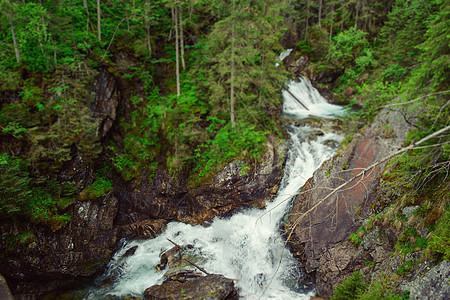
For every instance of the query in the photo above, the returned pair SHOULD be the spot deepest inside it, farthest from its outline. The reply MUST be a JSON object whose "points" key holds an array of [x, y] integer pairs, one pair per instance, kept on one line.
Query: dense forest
{"points": [[199, 87]]}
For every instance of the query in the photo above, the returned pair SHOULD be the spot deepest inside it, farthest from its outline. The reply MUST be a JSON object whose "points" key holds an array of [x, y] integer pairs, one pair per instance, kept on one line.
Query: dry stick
{"points": [[198, 267], [291, 231], [178, 246], [290, 93], [412, 101]]}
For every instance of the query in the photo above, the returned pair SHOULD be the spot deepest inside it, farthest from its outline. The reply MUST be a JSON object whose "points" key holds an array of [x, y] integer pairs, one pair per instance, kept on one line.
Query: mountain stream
{"points": [[247, 246]]}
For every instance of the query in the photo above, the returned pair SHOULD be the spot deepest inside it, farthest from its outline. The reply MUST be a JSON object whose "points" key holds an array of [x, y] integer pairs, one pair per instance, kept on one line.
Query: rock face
{"points": [[5, 293], [433, 285], [239, 184], [333, 202], [212, 286], [74, 251]]}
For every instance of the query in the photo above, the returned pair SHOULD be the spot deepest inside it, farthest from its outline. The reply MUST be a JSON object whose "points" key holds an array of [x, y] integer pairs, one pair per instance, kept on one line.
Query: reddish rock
{"points": [[330, 200]]}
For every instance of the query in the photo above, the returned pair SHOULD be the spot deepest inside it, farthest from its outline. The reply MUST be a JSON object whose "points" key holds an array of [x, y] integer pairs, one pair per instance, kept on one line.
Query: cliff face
{"points": [[338, 198]]}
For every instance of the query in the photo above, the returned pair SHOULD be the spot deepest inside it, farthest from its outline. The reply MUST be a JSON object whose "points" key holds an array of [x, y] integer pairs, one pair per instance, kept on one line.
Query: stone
{"points": [[433, 285], [238, 184], [321, 234], [5, 293], [212, 286], [409, 210]]}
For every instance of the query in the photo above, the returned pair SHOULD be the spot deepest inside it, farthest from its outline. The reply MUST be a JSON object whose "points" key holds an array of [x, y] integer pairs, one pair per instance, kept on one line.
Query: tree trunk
{"points": [[177, 47], [320, 13], [16, 45], [232, 100], [147, 25], [87, 17], [127, 15], [183, 63], [307, 20], [99, 29]]}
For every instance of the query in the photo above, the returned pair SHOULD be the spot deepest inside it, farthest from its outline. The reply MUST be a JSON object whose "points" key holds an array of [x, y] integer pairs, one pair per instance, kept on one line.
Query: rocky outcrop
{"points": [[42, 260], [239, 184], [5, 293], [106, 102], [432, 285], [333, 203], [211, 286]]}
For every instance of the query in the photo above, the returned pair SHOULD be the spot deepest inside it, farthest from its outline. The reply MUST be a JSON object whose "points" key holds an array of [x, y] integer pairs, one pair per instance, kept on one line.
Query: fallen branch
{"points": [[412, 101], [198, 267], [178, 246], [290, 93]]}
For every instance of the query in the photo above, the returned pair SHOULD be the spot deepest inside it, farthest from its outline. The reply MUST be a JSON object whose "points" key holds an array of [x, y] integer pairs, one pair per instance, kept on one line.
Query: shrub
{"points": [[351, 288]]}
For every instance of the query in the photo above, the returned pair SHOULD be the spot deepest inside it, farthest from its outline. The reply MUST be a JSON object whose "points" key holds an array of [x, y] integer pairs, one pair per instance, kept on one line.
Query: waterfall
{"points": [[248, 246], [300, 94]]}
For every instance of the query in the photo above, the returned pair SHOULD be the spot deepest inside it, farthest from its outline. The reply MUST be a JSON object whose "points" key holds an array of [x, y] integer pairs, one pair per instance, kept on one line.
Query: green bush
{"points": [[351, 288], [439, 242], [15, 195]]}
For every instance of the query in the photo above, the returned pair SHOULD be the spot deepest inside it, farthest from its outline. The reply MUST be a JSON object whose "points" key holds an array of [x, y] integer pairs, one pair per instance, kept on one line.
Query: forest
{"points": [[199, 85]]}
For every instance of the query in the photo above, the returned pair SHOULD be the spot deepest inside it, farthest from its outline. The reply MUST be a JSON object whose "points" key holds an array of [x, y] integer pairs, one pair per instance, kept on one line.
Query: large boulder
{"points": [[432, 285], [212, 286], [333, 203]]}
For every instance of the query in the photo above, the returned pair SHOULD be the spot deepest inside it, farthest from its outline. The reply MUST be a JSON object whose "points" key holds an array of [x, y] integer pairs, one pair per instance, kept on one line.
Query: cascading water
{"points": [[247, 246]]}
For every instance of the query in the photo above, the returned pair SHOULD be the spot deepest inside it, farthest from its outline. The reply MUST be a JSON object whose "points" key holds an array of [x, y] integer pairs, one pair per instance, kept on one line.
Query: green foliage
{"points": [[346, 46], [98, 188], [439, 242], [228, 145], [14, 187], [351, 288], [18, 199], [405, 268]]}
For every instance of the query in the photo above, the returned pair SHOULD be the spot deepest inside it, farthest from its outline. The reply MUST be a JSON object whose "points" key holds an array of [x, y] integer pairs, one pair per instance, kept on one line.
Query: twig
{"points": [[198, 267], [412, 101], [178, 246]]}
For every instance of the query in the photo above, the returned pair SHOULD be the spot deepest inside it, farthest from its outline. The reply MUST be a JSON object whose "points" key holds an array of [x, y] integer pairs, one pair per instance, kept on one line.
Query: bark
{"points": [[177, 47], [147, 26], [99, 29], [87, 17], [183, 63], [320, 13], [16, 44], [232, 99]]}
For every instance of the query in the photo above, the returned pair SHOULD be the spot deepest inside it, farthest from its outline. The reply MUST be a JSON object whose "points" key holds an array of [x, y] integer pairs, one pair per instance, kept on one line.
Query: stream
{"points": [[247, 246]]}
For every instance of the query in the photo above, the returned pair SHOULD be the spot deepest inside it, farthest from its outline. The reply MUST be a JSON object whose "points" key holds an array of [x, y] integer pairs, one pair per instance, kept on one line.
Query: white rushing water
{"points": [[247, 246], [302, 91]]}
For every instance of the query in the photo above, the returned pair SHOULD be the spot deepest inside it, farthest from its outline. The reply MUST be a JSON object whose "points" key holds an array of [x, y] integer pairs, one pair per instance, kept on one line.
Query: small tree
{"points": [[14, 190]]}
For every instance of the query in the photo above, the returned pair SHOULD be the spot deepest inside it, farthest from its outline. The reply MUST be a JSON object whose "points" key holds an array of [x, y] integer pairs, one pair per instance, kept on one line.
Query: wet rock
{"points": [[327, 76], [212, 286], [239, 184], [106, 101], [433, 285], [52, 259], [130, 251], [5, 293], [144, 229], [319, 237], [297, 66]]}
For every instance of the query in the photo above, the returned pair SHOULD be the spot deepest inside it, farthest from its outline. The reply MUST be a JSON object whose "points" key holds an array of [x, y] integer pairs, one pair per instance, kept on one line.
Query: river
{"points": [[247, 246]]}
